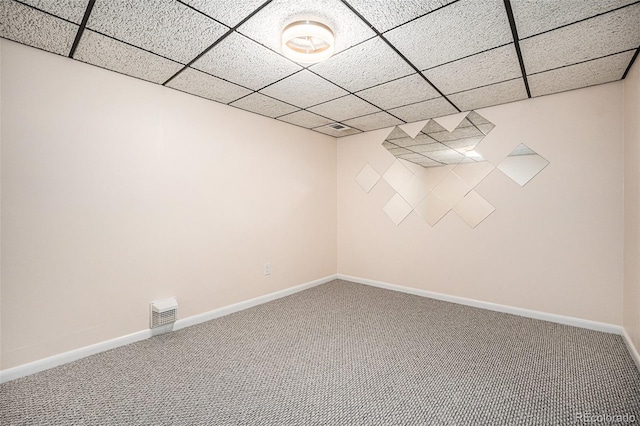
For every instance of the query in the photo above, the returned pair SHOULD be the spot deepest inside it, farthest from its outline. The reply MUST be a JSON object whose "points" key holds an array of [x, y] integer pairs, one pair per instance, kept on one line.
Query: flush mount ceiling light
{"points": [[307, 42]]}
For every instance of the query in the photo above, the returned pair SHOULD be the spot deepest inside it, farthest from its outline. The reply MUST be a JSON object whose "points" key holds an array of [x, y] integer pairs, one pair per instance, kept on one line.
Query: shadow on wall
{"points": [[437, 168]]}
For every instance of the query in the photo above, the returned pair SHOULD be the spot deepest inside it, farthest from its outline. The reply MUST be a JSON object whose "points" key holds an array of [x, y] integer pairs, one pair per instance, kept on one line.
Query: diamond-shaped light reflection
{"points": [[522, 164]]}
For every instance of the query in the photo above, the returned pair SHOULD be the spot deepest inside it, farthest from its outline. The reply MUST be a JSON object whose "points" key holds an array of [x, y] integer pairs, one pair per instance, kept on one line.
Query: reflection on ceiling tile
{"points": [[589, 73], [29, 26], [473, 209], [375, 121], [397, 209], [403, 91], [71, 10], [536, 16], [108, 53], [344, 108], [264, 105], [432, 209], [367, 178], [453, 32], [423, 110], [241, 61], [365, 65], [336, 133], [165, 27], [201, 84], [229, 12], [305, 119], [384, 15], [267, 25], [486, 68], [609, 33], [304, 89], [522, 164], [500, 93]]}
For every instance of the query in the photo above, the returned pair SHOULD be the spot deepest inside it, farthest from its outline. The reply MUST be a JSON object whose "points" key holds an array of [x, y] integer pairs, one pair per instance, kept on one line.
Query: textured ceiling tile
{"points": [[267, 25], [375, 121], [201, 84], [486, 68], [458, 30], [406, 90], [34, 28], [304, 89], [229, 12], [536, 16], [590, 39], [598, 71], [246, 63], [366, 65], [336, 133], [344, 108], [71, 10], [305, 119], [165, 27], [263, 105], [388, 14], [108, 53], [500, 93], [423, 110]]}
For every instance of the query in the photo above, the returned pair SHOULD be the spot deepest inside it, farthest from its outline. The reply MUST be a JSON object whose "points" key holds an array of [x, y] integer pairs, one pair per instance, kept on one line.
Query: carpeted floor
{"points": [[343, 354]]}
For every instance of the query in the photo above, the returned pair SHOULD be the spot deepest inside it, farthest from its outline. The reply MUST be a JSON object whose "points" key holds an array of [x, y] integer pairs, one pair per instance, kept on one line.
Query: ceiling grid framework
{"points": [[396, 61]]}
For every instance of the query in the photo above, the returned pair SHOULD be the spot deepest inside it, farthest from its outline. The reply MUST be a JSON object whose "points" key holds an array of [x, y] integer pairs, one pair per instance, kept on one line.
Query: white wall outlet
{"points": [[267, 269]]}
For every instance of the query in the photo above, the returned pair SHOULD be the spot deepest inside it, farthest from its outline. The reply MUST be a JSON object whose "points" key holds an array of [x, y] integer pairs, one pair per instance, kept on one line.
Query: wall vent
{"points": [[338, 126], [163, 312]]}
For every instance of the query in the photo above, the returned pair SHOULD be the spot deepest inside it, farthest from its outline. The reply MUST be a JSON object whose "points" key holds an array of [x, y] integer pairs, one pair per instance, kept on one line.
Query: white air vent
{"points": [[163, 312], [338, 126]]}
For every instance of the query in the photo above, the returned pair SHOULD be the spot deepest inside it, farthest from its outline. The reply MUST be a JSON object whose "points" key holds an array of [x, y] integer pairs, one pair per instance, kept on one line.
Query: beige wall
{"points": [[555, 245], [632, 204], [116, 192]]}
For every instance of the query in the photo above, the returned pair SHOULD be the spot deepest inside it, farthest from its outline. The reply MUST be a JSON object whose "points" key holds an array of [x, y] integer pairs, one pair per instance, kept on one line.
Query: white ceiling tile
{"points": [[336, 133], [397, 175], [229, 12], [485, 68], [405, 90], [365, 65], [453, 32], [600, 36], [344, 108], [165, 27], [375, 121], [387, 14], [451, 122], [305, 119], [71, 10], [108, 53], [424, 110], [536, 16], [367, 178], [244, 62], [589, 73], [412, 129], [473, 209], [267, 25], [432, 208], [201, 84], [500, 93], [304, 89], [34, 28], [397, 209], [264, 105]]}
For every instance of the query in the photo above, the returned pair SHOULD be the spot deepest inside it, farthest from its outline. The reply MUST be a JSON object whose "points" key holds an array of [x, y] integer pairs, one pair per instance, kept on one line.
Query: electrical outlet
{"points": [[267, 269]]}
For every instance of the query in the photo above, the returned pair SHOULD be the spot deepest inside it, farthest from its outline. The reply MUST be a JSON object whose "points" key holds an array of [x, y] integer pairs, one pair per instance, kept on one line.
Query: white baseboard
{"points": [[560, 319], [632, 348], [76, 354]]}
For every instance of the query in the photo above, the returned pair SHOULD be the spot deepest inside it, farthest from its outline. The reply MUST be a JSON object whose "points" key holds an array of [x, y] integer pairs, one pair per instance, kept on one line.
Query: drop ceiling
{"points": [[396, 61]]}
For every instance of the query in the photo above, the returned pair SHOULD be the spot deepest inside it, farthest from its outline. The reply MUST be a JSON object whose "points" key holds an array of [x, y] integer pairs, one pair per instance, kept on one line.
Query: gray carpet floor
{"points": [[343, 354]]}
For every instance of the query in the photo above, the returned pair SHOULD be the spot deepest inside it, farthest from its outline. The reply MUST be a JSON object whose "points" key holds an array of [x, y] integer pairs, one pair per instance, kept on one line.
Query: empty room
{"points": [[319, 212]]}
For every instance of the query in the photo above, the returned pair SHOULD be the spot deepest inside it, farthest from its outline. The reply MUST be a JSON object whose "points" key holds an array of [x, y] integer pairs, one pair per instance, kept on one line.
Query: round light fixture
{"points": [[307, 42]]}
